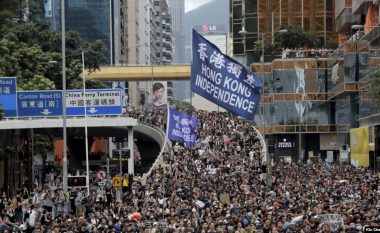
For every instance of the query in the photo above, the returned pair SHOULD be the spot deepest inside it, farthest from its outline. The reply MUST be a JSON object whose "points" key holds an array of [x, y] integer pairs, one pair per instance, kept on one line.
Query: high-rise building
{"points": [[93, 20], [161, 36], [317, 100], [90, 18], [161, 44], [253, 19], [178, 23], [133, 32], [181, 89]]}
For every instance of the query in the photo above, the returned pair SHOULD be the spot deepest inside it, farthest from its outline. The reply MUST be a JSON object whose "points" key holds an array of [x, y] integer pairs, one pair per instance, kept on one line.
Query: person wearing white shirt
{"points": [[33, 216]]}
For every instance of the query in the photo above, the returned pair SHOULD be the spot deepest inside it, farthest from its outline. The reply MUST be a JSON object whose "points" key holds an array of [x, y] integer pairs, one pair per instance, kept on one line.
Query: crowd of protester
{"points": [[306, 53], [217, 185]]}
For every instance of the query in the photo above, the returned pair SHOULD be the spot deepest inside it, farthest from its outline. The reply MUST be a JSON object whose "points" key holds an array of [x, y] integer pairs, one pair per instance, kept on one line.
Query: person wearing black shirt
{"points": [[266, 227], [73, 195], [45, 218]]}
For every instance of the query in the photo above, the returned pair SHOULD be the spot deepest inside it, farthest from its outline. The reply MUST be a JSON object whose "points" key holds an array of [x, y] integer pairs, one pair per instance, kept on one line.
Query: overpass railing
{"points": [[166, 147]]}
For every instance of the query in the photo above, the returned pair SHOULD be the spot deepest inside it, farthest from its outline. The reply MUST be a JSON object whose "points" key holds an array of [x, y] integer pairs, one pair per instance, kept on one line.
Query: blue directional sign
{"points": [[98, 102], [8, 96], [39, 103]]}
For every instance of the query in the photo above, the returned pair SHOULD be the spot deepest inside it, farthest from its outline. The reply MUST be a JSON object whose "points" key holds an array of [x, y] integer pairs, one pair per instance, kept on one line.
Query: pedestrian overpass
{"points": [[141, 73]]}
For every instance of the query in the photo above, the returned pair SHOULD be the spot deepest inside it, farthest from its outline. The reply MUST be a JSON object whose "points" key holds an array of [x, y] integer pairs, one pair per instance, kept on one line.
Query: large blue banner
{"points": [[181, 127], [222, 80]]}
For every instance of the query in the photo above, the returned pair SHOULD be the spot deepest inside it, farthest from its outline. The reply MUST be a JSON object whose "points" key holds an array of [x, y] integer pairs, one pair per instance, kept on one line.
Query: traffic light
{"points": [[76, 181]]}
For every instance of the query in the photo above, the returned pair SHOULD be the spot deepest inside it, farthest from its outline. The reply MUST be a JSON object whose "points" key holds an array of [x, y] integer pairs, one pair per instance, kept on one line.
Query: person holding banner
{"points": [[181, 127]]}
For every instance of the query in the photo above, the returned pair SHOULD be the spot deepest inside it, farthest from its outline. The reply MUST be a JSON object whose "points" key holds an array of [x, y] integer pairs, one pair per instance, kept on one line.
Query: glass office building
{"points": [[91, 18]]}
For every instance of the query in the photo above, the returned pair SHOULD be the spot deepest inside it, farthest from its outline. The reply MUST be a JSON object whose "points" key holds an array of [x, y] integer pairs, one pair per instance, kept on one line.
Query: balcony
{"points": [[360, 7], [372, 35], [341, 5], [345, 20], [167, 53], [166, 60]]}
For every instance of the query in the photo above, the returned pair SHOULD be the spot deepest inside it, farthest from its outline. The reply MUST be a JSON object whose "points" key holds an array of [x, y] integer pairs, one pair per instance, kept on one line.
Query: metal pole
{"points": [[121, 171], [131, 160], [32, 136], [64, 159], [85, 127], [302, 15], [272, 28], [280, 13], [324, 24], [299, 132], [111, 35], [267, 155]]}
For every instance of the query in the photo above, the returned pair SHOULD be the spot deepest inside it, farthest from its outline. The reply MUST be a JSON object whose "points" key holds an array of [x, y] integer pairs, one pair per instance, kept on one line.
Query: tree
{"points": [[295, 37], [27, 51], [8, 10], [269, 48], [43, 144], [183, 105], [373, 78]]}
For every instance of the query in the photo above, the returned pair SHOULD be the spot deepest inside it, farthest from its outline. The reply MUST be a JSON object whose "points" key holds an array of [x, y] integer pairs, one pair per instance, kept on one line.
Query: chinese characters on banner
{"points": [[222, 80], [181, 127]]}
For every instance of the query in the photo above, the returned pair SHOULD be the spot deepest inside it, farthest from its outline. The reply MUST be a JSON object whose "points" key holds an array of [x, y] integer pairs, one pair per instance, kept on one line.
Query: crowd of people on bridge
{"points": [[217, 185]]}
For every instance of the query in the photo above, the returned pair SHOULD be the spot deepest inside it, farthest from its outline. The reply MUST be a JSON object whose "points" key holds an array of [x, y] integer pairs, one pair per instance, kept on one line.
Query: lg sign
{"points": [[207, 28]]}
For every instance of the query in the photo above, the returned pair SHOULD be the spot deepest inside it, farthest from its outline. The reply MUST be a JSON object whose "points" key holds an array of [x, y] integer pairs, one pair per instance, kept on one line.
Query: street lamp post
{"points": [[64, 159], [268, 155], [85, 127]]}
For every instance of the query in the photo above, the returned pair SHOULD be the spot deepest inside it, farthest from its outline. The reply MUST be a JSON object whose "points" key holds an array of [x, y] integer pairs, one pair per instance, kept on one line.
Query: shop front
{"points": [[360, 148], [285, 147]]}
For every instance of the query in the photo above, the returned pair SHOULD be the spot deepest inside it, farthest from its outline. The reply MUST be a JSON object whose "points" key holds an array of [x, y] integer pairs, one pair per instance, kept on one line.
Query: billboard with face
{"points": [[159, 95]]}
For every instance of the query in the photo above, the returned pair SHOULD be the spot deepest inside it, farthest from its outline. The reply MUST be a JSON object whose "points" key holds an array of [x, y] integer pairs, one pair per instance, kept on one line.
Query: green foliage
{"points": [[28, 49], [295, 37], [183, 105], [43, 142], [373, 78], [269, 48], [8, 10], [95, 84], [38, 82], [332, 43]]}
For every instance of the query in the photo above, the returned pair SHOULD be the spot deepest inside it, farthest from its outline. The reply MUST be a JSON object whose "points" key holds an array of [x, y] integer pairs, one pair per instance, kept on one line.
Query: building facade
{"points": [[94, 20], [181, 89], [161, 42], [253, 19]]}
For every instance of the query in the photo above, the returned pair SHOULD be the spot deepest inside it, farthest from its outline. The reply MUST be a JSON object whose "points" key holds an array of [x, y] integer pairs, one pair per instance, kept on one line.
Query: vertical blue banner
{"points": [[181, 127], [8, 96]]}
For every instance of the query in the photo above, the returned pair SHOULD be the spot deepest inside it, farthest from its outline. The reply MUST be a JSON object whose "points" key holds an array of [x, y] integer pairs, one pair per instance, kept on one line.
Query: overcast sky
{"points": [[192, 4]]}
